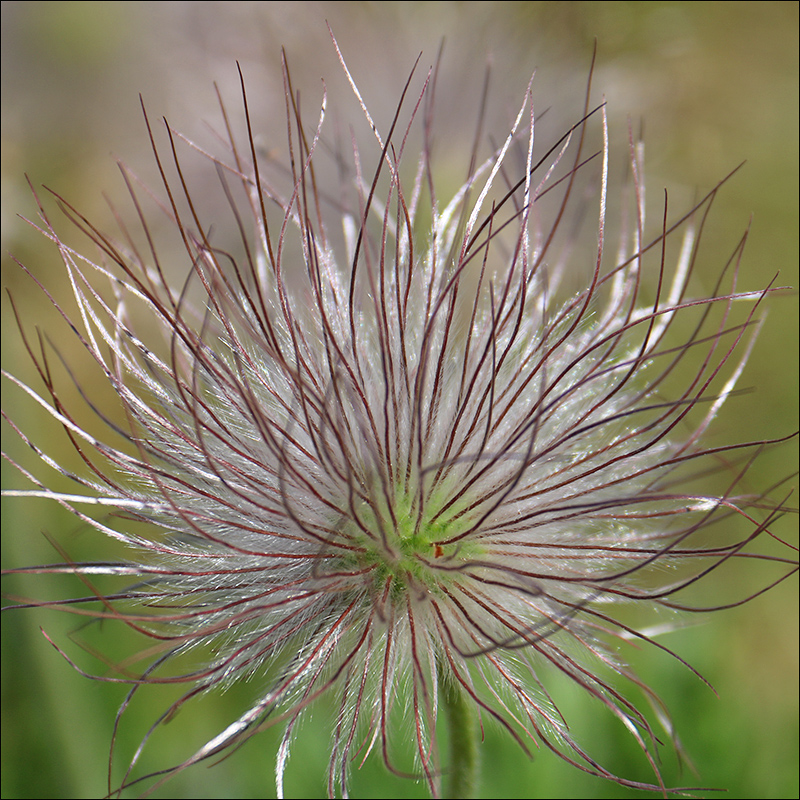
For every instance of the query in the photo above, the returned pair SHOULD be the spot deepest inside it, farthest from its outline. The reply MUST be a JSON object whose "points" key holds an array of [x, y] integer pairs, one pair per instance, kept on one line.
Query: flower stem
{"points": [[463, 769]]}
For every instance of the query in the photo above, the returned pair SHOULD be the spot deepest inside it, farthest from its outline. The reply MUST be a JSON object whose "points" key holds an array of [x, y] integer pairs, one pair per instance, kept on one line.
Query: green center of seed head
{"points": [[411, 548]]}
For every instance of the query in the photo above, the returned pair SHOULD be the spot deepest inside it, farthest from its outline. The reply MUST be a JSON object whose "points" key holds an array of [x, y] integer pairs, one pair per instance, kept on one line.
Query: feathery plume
{"points": [[385, 449]]}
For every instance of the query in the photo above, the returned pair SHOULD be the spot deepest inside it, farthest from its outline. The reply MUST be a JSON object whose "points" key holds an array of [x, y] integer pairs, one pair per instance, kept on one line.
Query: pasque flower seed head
{"points": [[385, 449]]}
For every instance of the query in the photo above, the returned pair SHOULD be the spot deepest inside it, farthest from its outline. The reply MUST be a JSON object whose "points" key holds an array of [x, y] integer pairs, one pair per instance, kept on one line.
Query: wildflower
{"points": [[401, 464]]}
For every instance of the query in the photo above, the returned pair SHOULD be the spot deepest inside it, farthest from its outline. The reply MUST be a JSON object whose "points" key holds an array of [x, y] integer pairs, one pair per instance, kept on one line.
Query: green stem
{"points": [[463, 769]]}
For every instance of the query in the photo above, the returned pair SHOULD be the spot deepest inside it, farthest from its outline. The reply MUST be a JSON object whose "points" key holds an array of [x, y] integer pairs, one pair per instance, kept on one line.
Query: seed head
{"points": [[397, 449]]}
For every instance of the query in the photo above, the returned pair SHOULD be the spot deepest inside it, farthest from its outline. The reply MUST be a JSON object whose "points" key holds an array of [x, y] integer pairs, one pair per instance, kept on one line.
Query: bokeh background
{"points": [[715, 84]]}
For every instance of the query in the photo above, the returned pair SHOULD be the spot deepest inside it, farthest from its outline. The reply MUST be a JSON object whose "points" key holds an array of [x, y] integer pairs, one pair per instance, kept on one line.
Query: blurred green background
{"points": [[716, 83]]}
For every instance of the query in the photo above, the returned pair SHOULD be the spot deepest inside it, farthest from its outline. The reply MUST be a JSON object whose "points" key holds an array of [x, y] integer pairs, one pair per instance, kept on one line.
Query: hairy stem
{"points": [[463, 768]]}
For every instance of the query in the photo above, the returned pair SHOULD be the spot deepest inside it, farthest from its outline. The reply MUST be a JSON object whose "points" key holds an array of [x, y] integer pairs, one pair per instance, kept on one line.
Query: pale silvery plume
{"points": [[385, 454]]}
